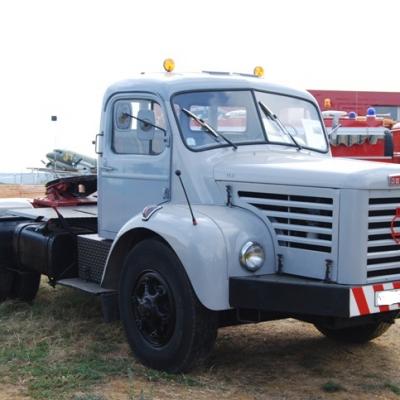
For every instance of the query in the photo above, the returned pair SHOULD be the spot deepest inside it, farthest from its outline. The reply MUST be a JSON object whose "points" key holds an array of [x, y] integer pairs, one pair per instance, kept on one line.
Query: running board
{"points": [[85, 286], [108, 297]]}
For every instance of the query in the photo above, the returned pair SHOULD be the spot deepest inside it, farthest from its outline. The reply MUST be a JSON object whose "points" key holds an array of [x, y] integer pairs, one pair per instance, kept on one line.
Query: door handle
{"points": [[107, 168], [96, 142]]}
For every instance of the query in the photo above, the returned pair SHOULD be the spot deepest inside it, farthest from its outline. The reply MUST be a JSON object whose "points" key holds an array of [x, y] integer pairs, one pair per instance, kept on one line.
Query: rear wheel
{"points": [[165, 324], [355, 334]]}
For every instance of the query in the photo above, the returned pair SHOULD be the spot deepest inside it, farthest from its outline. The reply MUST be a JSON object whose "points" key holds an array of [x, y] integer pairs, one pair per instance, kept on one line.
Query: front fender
{"points": [[209, 251]]}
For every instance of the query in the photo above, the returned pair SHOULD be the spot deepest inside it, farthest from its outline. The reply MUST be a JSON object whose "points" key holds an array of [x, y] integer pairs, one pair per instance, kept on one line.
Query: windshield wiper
{"points": [[144, 122], [269, 114], [208, 128]]}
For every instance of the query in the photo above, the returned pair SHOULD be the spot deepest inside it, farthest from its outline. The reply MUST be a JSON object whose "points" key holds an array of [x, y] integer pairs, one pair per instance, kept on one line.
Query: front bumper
{"points": [[294, 295]]}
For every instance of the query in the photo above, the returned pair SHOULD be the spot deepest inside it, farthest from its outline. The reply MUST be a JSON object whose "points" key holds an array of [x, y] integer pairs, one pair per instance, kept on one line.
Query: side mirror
{"points": [[122, 113]]}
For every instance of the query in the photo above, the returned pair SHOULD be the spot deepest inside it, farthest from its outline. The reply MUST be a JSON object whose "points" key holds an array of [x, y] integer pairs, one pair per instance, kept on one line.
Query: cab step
{"points": [[108, 297], [84, 285]]}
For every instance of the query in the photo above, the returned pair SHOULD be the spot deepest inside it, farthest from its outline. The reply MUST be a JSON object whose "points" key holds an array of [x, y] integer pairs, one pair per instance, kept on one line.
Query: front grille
{"points": [[383, 252], [302, 222]]}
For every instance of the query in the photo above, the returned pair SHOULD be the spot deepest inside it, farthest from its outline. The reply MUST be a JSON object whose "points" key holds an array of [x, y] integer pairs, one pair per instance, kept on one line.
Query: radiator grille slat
{"points": [[383, 218], [379, 207], [380, 231], [383, 258], [384, 254], [305, 217], [379, 243], [296, 239], [313, 229], [288, 203], [302, 222], [384, 267]]}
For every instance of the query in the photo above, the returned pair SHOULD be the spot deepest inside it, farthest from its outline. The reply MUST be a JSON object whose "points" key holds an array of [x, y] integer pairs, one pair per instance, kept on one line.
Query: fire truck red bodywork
{"points": [[363, 137], [366, 138]]}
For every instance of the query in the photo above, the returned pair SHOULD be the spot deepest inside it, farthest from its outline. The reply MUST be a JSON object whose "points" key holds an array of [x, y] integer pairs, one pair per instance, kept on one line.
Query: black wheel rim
{"points": [[154, 308]]}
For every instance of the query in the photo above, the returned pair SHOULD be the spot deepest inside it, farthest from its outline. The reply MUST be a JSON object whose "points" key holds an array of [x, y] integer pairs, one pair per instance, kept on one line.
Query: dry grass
{"points": [[59, 348]]}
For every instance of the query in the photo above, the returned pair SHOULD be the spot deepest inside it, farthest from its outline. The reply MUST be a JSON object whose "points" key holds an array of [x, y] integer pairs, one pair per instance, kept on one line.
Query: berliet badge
{"points": [[394, 180]]}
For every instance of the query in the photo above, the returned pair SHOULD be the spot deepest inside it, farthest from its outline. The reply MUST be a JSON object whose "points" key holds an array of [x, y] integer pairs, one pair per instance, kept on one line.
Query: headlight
{"points": [[252, 256]]}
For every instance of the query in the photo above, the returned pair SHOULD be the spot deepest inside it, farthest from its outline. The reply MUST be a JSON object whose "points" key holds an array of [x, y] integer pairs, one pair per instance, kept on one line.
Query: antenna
{"points": [[178, 174]]}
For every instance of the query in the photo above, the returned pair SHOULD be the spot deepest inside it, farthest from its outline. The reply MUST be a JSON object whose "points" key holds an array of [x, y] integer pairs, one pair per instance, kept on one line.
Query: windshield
{"points": [[299, 117], [238, 116]]}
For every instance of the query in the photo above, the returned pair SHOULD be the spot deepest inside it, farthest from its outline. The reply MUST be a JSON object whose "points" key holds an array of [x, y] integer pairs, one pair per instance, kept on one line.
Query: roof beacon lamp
{"points": [[258, 71], [352, 115], [371, 113], [327, 103], [169, 64]]}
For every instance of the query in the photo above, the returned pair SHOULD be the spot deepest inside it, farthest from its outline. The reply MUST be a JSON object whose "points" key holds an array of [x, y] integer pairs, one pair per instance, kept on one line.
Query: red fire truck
{"points": [[364, 121], [370, 137]]}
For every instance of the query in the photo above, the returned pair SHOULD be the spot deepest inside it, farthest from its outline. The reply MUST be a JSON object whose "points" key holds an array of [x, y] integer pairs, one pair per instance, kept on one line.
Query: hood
{"points": [[305, 169]]}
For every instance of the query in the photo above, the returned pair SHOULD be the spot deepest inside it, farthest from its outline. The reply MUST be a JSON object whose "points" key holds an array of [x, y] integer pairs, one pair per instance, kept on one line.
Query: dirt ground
{"points": [[279, 360], [283, 360]]}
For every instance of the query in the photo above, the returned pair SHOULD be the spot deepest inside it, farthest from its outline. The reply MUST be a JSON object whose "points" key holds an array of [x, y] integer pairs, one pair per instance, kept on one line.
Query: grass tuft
{"points": [[89, 397], [159, 376], [332, 387], [393, 387]]}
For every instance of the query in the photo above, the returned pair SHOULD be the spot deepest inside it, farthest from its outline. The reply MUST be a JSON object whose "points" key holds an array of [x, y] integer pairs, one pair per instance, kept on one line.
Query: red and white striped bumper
{"points": [[364, 300]]}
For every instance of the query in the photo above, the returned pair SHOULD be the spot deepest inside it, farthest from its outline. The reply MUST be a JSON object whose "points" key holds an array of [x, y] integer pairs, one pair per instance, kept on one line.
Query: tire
{"points": [[356, 334], [166, 326], [6, 283], [25, 286]]}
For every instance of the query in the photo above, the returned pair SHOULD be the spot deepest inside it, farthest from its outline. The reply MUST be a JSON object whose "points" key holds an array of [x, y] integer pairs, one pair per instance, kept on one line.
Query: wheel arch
{"points": [[120, 250], [201, 250], [208, 251]]}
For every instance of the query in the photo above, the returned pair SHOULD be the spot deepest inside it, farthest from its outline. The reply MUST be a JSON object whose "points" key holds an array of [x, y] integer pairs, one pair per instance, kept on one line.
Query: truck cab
{"points": [[219, 203]]}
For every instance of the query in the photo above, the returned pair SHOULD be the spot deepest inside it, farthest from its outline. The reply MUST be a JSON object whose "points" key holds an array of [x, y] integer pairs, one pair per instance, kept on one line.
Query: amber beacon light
{"points": [[327, 103], [169, 64], [258, 71]]}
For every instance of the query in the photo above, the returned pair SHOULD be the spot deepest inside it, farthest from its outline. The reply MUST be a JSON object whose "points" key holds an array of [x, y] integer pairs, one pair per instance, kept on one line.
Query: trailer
{"points": [[216, 202]]}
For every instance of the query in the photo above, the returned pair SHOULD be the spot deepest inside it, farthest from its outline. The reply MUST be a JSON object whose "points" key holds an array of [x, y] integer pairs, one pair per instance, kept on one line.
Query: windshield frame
{"points": [[259, 113]]}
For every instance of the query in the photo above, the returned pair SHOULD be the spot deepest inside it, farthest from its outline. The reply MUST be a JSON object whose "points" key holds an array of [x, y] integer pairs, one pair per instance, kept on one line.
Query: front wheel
{"points": [[165, 324], [355, 334]]}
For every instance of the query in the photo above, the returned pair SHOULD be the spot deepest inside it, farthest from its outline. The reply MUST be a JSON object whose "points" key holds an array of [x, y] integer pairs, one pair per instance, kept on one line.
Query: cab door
{"points": [[134, 167]]}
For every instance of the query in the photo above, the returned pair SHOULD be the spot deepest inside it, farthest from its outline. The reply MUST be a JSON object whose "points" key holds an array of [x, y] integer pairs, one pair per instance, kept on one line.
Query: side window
{"points": [[138, 127]]}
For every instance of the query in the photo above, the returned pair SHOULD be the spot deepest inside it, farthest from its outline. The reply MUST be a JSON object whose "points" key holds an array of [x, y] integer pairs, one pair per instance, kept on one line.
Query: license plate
{"points": [[387, 297]]}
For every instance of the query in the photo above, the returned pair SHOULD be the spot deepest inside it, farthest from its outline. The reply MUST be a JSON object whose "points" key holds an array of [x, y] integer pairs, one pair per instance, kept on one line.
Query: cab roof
{"points": [[167, 84]]}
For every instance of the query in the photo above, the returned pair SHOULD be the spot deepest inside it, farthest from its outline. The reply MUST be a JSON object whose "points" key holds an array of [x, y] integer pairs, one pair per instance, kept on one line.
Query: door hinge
{"points": [[166, 194]]}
